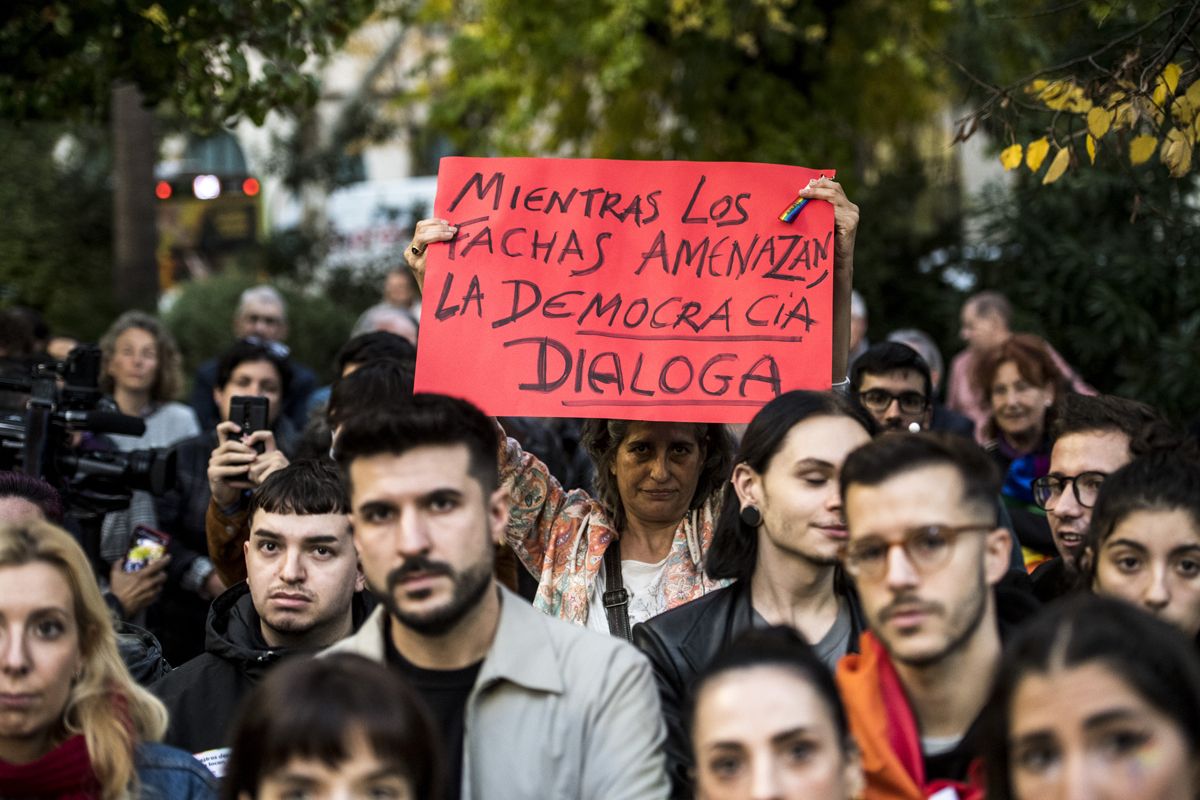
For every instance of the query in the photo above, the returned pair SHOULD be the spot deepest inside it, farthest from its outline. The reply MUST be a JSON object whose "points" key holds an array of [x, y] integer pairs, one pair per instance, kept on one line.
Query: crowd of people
{"points": [[876, 591]]}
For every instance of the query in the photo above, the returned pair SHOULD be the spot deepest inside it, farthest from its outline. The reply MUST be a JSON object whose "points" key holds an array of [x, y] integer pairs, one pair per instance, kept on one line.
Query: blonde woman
{"points": [[73, 724]]}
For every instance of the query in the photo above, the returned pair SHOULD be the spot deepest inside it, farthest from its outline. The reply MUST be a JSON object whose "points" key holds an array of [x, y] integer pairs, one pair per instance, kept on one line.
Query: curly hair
{"points": [[602, 439], [111, 711], [168, 378]]}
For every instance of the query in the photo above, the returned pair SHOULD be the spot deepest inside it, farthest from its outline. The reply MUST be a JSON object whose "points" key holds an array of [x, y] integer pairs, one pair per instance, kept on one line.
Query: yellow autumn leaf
{"points": [[1122, 109], [1010, 156], [1060, 95], [1141, 148], [1099, 121], [1035, 154], [1091, 148], [156, 15], [1165, 85], [1058, 166], [1176, 153]]}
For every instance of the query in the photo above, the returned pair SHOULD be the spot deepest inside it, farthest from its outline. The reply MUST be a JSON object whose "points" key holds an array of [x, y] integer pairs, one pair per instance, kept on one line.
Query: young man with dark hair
{"points": [[926, 553], [302, 593], [193, 578], [506, 684], [1094, 437]]}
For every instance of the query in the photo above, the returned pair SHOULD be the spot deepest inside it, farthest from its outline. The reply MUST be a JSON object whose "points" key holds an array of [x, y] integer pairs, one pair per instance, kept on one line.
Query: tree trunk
{"points": [[135, 237]]}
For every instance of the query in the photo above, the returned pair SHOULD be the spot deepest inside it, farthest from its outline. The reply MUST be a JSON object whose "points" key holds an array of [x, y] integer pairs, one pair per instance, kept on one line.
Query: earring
{"points": [[751, 516]]}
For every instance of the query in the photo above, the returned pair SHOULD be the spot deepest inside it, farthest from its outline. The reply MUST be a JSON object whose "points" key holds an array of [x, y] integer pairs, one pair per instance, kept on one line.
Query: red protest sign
{"points": [[628, 289]]}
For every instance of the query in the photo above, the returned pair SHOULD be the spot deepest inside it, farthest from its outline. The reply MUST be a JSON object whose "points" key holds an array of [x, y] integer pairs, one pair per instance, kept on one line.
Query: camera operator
{"points": [[245, 369], [140, 369]]}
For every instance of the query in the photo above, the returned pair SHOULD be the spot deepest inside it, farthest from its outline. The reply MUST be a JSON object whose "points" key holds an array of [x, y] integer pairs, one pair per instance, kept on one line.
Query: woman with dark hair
{"points": [[637, 547], [1024, 389], [334, 727], [767, 721], [779, 537], [1144, 541], [1094, 698]]}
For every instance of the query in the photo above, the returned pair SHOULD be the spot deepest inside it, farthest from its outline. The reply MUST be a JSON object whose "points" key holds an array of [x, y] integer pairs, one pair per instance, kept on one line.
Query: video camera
{"points": [[62, 399]]}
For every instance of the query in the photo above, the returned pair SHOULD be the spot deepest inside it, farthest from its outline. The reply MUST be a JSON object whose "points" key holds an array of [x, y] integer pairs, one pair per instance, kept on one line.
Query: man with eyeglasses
{"points": [[892, 382], [1094, 437], [260, 319], [927, 556]]}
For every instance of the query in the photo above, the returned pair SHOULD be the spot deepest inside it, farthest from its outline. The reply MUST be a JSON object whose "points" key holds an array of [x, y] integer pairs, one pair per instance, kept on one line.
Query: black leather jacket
{"points": [[681, 643]]}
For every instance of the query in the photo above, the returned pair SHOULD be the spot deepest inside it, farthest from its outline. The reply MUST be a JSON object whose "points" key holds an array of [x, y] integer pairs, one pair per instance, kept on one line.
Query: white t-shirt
{"points": [[643, 582]]}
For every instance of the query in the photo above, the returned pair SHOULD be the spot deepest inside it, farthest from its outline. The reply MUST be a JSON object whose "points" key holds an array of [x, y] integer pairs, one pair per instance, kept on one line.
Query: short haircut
{"points": [[1145, 427], [368, 347], [377, 384], [602, 439], [858, 306], [309, 708], [36, 490], [889, 456], [988, 303], [168, 377], [427, 420], [244, 352], [306, 487], [734, 549], [887, 357], [1164, 480], [1150, 656], [924, 344], [782, 647], [267, 295]]}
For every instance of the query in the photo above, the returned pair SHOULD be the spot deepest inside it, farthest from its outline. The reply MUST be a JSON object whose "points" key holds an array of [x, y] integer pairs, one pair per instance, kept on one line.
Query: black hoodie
{"points": [[203, 696]]}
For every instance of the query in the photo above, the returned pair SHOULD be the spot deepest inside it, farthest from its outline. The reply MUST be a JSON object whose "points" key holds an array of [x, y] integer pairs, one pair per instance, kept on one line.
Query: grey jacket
{"points": [[557, 712]]}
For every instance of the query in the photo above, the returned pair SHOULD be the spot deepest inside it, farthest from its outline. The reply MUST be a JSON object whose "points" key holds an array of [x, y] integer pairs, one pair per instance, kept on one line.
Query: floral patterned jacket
{"points": [[561, 537]]}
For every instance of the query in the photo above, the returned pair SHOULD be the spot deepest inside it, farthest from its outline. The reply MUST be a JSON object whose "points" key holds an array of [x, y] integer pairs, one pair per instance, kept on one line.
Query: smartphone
{"points": [[145, 547], [250, 413]]}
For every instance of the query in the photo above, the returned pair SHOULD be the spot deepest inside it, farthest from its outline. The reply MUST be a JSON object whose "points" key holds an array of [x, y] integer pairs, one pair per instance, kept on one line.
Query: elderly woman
{"points": [[140, 370], [1025, 389], [73, 724], [637, 547]]}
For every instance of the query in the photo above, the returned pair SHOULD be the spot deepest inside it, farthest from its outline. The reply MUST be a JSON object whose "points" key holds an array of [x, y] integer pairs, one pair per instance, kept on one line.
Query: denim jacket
{"points": [[166, 773]]}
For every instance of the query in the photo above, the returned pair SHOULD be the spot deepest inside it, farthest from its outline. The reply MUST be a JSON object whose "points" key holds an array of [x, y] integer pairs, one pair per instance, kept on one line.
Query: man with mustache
{"points": [[527, 705], [302, 593], [926, 553]]}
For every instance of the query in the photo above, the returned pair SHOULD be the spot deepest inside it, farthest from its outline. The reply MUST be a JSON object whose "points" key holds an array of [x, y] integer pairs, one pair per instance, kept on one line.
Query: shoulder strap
{"points": [[616, 596]]}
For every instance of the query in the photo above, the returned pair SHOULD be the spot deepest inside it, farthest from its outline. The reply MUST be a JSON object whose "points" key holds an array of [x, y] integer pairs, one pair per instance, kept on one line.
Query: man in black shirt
{"points": [[528, 706]]}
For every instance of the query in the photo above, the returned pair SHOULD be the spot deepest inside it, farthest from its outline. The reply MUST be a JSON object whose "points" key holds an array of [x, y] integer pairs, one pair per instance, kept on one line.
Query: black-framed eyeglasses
{"points": [[911, 402], [928, 548], [1086, 485]]}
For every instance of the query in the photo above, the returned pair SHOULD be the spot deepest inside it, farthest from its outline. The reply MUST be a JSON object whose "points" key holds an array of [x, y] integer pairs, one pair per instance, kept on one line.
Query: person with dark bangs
{"points": [[334, 727]]}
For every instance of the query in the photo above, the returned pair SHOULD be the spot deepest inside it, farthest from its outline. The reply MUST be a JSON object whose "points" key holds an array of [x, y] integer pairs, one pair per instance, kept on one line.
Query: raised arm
{"points": [[845, 226]]}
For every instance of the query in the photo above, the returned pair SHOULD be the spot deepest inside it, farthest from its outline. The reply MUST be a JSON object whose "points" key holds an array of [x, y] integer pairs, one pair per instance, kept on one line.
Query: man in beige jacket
{"points": [[527, 706]]}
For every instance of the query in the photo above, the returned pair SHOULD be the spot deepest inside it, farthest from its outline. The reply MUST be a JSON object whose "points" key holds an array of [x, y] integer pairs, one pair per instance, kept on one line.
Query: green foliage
{"points": [[791, 81], [60, 59], [56, 231], [201, 319], [1120, 300]]}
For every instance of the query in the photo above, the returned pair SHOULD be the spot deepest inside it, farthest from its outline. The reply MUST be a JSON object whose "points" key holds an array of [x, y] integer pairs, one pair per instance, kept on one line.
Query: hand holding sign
{"points": [[645, 290]]}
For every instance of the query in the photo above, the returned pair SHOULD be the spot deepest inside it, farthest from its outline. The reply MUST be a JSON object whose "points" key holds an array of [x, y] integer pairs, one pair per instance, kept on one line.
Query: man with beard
{"points": [[1094, 437], [527, 705], [302, 593], [925, 551]]}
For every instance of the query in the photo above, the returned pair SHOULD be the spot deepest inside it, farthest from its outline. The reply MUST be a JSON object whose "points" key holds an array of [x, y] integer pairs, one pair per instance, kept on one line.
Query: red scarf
{"points": [[65, 773]]}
